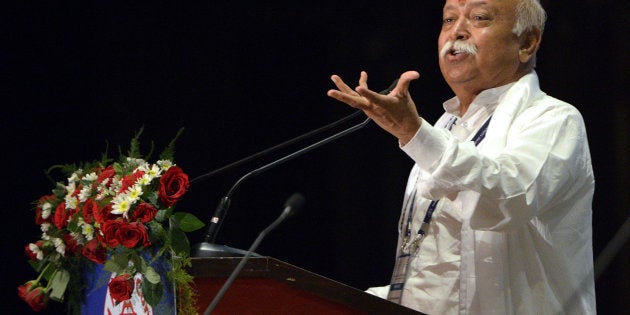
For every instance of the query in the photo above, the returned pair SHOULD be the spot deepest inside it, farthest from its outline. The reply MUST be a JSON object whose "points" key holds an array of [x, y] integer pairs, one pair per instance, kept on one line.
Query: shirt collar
{"points": [[488, 98]]}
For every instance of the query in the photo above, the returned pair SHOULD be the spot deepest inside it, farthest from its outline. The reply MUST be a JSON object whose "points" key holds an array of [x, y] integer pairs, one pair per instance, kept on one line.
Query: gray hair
{"points": [[529, 15]]}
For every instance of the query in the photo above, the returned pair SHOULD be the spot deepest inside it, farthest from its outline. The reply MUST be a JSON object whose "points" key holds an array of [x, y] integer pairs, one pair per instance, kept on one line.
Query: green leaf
{"points": [[152, 292], [139, 263], [161, 215], [187, 222], [152, 196], [49, 271], [158, 233], [117, 264], [179, 241], [73, 226], [58, 284], [134, 146], [118, 168], [38, 265], [169, 151], [151, 275]]}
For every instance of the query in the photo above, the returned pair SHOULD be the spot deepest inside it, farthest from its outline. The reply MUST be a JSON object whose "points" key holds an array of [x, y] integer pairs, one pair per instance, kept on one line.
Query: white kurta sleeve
{"points": [[531, 166]]}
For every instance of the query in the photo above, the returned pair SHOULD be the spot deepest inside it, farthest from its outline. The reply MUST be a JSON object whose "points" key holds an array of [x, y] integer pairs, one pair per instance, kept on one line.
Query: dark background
{"points": [[241, 77]]}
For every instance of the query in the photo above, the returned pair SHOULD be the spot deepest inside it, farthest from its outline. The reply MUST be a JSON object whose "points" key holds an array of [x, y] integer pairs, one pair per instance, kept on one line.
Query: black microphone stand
{"points": [[208, 248], [292, 205]]}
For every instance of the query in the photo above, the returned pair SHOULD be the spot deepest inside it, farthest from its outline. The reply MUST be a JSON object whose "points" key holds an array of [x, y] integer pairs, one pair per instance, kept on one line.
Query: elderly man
{"points": [[496, 217]]}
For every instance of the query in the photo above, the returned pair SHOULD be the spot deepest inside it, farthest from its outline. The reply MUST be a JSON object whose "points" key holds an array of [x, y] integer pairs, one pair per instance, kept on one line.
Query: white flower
{"points": [[105, 182], [78, 237], [71, 202], [120, 204], [36, 250], [165, 164], [145, 180], [115, 186], [46, 210], [136, 163], [134, 193], [152, 172], [88, 231], [45, 227], [75, 176], [71, 187], [90, 177], [85, 193], [60, 247]]}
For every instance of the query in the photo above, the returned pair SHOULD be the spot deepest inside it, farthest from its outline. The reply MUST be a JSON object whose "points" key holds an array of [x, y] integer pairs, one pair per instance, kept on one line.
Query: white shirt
{"points": [[512, 231]]}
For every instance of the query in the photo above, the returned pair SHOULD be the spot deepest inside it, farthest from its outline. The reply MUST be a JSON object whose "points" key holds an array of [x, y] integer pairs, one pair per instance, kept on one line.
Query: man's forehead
{"points": [[453, 4]]}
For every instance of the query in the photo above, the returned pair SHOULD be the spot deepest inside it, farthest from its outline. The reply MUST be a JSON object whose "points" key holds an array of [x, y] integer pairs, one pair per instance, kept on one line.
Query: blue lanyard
{"points": [[479, 136]]}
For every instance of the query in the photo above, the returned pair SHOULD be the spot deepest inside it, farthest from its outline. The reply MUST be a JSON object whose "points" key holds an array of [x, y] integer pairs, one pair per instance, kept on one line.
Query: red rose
{"points": [[23, 289], [89, 208], [34, 295], [61, 217], [132, 234], [145, 212], [107, 173], [109, 229], [72, 246], [94, 251], [173, 185], [104, 214], [121, 287]]}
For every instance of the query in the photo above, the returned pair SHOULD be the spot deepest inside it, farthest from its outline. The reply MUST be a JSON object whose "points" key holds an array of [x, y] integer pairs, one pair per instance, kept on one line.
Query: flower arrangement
{"points": [[117, 214]]}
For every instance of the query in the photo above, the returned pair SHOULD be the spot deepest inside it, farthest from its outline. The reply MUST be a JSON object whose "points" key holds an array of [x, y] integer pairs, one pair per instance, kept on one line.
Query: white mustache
{"points": [[460, 46]]}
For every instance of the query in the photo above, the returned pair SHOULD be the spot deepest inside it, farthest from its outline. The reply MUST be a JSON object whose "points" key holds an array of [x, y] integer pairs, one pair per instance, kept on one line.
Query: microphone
{"points": [[292, 205], [207, 248]]}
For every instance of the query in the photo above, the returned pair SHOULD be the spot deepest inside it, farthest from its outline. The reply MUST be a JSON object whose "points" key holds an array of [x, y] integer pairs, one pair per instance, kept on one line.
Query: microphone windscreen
{"points": [[295, 202]]}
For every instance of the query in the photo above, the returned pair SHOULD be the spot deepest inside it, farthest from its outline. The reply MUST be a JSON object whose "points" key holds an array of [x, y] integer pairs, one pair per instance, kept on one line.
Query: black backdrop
{"points": [[241, 77]]}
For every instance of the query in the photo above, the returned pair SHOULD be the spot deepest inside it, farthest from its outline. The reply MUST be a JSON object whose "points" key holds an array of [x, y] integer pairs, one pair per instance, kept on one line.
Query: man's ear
{"points": [[530, 41]]}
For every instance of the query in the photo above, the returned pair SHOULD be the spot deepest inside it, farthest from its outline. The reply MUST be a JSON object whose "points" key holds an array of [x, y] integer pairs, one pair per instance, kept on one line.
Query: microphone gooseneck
{"points": [[208, 248], [312, 146], [276, 147], [288, 142], [292, 205]]}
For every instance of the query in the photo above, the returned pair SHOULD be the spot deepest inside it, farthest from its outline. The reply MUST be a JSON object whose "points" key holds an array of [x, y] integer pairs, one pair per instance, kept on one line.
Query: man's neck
{"points": [[465, 99], [468, 91]]}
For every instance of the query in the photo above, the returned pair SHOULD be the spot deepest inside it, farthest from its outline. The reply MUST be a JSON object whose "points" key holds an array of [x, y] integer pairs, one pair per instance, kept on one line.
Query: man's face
{"points": [[487, 25]]}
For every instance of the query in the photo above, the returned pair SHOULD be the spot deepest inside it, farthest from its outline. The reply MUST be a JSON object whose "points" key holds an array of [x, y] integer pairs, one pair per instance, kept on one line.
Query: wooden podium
{"points": [[269, 286]]}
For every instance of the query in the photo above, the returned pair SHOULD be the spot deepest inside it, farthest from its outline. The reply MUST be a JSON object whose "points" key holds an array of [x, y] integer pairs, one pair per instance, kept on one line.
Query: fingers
{"points": [[362, 97], [354, 101], [342, 86], [363, 80], [402, 87], [348, 95]]}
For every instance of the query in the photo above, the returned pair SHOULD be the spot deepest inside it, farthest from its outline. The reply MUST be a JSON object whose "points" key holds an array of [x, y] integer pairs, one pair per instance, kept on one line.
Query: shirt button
{"points": [[464, 124]]}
